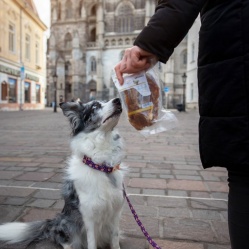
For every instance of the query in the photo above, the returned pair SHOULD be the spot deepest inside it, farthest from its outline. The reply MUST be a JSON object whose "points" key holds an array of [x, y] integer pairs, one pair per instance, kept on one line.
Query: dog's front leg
{"points": [[90, 233], [115, 233]]}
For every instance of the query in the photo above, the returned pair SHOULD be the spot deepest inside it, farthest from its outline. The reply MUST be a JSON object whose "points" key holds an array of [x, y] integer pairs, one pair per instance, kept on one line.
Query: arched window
{"points": [[69, 9], [120, 42], [125, 18], [80, 8], [127, 41], [106, 42], [93, 11], [93, 35], [68, 41], [59, 11], [93, 65]]}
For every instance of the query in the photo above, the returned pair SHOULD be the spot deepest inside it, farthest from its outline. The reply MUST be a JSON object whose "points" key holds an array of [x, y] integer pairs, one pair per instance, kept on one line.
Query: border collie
{"points": [[93, 199]]}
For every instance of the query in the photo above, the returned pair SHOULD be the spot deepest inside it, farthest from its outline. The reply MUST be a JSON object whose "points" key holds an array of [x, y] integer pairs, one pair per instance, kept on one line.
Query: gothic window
{"points": [[80, 8], [59, 11], [93, 65], [69, 9], [127, 41], [113, 42], [93, 35], [68, 41], [120, 42], [12, 37], [106, 42], [94, 11], [125, 18]]}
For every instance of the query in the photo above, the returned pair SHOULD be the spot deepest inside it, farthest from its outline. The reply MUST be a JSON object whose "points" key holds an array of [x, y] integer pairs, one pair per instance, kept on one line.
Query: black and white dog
{"points": [[93, 199]]}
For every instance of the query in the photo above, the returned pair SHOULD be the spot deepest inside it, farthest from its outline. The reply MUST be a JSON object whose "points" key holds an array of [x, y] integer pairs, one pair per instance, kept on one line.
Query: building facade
{"points": [[22, 58], [88, 38]]}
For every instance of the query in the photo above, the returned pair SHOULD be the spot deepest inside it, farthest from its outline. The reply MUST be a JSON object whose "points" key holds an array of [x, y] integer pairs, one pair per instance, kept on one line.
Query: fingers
{"points": [[134, 60], [119, 74]]}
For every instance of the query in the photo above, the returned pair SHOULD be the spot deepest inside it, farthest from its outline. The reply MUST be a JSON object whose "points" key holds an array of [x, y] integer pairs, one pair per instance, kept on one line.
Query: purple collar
{"points": [[88, 161]]}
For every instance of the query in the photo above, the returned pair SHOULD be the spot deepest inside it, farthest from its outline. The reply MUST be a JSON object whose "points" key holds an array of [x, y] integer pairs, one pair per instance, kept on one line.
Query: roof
{"points": [[31, 5]]}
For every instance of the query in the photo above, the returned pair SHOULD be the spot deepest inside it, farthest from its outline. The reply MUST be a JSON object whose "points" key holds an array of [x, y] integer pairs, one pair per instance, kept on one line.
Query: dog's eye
{"points": [[96, 106]]}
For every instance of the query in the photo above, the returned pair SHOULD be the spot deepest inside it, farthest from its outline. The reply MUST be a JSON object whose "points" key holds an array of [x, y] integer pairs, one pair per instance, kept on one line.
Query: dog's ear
{"points": [[72, 111]]}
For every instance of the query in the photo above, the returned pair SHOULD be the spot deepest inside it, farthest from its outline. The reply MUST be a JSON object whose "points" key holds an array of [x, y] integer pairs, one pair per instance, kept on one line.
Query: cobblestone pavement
{"points": [[181, 205]]}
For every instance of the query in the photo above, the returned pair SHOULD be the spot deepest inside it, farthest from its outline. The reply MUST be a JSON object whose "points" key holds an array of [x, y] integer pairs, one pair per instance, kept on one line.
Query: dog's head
{"points": [[92, 115]]}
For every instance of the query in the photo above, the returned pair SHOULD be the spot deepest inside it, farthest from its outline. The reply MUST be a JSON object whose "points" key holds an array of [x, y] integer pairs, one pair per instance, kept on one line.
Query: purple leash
{"points": [[106, 169]]}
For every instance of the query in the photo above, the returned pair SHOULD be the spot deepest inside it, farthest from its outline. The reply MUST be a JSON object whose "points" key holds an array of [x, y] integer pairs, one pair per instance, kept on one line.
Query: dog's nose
{"points": [[116, 101], [61, 103]]}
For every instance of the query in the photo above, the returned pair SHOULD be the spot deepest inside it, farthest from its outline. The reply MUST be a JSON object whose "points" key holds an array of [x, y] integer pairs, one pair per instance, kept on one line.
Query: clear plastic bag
{"points": [[141, 96]]}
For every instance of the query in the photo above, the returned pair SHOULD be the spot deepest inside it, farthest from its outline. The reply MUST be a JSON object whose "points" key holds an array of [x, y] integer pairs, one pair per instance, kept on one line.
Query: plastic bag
{"points": [[141, 95]]}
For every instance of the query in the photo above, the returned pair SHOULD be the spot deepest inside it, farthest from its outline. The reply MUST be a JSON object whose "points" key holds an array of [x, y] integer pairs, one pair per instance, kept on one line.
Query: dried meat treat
{"points": [[142, 117], [155, 91]]}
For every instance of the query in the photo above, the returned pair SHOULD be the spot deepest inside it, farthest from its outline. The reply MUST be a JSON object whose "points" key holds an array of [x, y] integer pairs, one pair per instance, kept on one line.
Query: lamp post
{"points": [[184, 79], [55, 91]]}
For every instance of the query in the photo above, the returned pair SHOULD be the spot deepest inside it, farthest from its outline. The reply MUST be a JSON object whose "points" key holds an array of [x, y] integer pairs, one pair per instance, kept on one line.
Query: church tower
{"points": [[88, 37]]}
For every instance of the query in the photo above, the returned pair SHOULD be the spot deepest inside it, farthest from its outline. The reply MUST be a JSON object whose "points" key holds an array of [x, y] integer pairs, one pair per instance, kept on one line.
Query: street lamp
{"points": [[55, 90], [184, 79]]}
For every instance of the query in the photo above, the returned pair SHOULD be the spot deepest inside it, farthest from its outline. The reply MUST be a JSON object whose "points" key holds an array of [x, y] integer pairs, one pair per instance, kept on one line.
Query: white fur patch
{"points": [[13, 232]]}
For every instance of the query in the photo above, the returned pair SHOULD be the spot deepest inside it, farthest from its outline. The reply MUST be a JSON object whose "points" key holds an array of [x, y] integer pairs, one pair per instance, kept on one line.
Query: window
{"points": [[12, 90], [93, 68], [80, 8], [38, 93], [37, 53], [93, 35], [59, 11], [69, 11], [94, 11], [193, 52], [27, 92], [183, 59], [125, 19], [27, 47], [68, 41], [12, 32]]}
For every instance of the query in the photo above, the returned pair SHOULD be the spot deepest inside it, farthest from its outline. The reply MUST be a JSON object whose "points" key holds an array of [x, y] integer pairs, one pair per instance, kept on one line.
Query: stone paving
{"points": [[181, 205]]}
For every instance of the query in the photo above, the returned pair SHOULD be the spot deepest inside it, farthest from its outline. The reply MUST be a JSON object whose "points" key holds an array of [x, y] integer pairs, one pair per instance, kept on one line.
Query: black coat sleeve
{"points": [[168, 26]]}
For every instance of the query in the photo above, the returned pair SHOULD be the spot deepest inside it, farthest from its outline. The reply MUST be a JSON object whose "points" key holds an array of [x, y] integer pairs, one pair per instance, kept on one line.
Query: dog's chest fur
{"points": [[100, 194]]}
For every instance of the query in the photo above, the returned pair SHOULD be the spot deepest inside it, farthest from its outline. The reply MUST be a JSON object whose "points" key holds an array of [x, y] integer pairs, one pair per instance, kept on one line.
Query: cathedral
{"points": [[88, 38]]}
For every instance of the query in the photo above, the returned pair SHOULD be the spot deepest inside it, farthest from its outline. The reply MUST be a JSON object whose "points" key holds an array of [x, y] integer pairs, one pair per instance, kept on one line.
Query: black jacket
{"points": [[223, 70]]}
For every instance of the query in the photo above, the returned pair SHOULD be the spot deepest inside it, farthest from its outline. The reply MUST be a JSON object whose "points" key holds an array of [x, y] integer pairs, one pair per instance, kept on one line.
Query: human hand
{"points": [[134, 60]]}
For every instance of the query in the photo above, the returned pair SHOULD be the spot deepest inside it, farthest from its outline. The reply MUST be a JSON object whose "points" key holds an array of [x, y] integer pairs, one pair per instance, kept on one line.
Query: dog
{"points": [[93, 199]]}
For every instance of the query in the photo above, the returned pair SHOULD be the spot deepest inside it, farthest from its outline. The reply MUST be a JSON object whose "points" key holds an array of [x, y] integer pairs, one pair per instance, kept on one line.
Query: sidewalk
{"points": [[181, 205]]}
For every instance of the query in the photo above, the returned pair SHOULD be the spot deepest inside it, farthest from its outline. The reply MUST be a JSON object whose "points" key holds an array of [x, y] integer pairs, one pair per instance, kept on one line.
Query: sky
{"points": [[43, 8]]}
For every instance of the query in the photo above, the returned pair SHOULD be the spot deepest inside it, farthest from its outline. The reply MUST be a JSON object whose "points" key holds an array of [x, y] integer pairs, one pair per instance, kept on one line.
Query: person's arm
{"points": [[168, 26]]}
